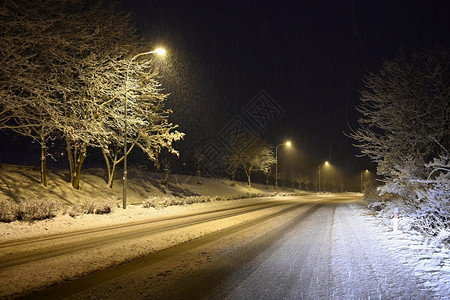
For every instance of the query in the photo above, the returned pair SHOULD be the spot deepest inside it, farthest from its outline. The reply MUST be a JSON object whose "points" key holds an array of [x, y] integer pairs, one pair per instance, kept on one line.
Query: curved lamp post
{"points": [[287, 144], [325, 164], [158, 51]]}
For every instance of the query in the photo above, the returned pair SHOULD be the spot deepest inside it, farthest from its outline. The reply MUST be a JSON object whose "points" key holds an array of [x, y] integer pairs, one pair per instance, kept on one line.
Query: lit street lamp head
{"points": [[288, 143], [159, 51]]}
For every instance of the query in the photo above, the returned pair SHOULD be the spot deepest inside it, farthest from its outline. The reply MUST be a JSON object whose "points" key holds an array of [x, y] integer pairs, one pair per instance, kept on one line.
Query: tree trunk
{"points": [[233, 179], [70, 159], [108, 168], [81, 157], [112, 170], [111, 165], [111, 175], [44, 165]]}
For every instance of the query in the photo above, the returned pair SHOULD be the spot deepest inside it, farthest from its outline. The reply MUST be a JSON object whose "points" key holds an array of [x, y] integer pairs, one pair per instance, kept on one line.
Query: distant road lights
{"points": [[287, 144], [363, 172], [158, 51], [326, 163]]}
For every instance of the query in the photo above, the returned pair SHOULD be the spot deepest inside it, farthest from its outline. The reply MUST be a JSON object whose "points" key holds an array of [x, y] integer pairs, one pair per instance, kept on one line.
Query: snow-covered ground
{"points": [[348, 256], [430, 261]]}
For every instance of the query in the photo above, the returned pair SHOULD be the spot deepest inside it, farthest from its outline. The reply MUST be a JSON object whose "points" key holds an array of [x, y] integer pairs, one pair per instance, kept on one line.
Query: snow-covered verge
{"points": [[407, 219], [64, 223], [430, 261], [407, 234], [420, 195], [23, 198]]}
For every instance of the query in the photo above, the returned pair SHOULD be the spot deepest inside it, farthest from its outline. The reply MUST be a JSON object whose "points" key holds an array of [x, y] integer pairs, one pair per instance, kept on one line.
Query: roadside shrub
{"points": [[8, 211], [37, 209], [253, 195], [158, 202], [28, 210], [371, 195], [98, 205], [283, 194], [433, 216], [40, 209], [165, 201], [429, 213]]}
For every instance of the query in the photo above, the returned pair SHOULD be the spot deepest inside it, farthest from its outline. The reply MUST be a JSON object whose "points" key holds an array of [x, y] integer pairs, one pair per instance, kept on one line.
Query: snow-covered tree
{"points": [[53, 53], [231, 165], [405, 116], [64, 67], [93, 89], [257, 157], [147, 119], [29, 54], [299, 179], [307, 181]]}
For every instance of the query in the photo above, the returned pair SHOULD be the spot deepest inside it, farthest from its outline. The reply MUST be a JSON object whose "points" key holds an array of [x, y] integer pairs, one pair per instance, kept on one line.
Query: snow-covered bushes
{"points": [[37, 209], [99, 205], [424, 204], [403, 181], [8, 211], [373, 199], [433, 215], [248, 195], [158, 202], [165, 201], [28, 210], [40, 209]]}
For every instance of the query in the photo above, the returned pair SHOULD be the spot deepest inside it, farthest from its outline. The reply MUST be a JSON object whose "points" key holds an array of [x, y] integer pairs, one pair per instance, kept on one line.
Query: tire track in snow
{"points": [[126, 270], [18, 253]]}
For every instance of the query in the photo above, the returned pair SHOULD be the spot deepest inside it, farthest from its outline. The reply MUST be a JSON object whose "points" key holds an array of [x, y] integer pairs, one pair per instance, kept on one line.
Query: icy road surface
{"points": [[312, 247]]}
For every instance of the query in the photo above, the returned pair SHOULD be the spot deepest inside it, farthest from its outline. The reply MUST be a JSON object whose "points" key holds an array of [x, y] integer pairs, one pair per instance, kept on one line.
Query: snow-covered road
{"points": [[305, 248], [329, 255]]}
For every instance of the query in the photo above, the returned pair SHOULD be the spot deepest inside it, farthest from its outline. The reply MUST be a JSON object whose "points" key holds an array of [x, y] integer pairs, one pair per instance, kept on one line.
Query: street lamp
{"points": [[287, 144], [325, 164], [365, 172], [158, 51]]}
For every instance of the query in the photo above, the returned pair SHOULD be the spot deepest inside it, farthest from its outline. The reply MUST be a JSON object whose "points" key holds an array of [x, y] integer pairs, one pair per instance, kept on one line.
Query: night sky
{"points": [[310, 57]]}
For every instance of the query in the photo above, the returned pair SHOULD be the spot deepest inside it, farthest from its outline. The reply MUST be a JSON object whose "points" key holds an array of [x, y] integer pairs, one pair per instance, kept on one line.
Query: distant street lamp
{"points": [[287, 144], [365, 172], [158, 51], [325, 164]]}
